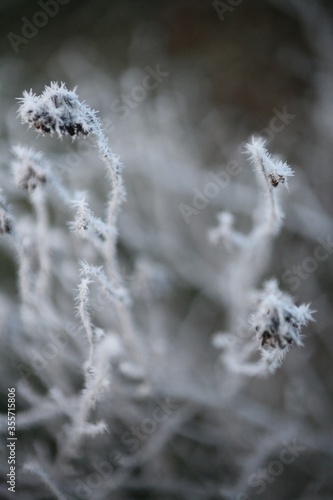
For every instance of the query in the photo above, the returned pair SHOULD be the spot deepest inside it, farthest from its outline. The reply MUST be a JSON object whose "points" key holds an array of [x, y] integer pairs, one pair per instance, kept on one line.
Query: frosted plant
{"points": [[106, 397], [34, 468], [59, 110], [270, 172], [30, 168], [87, 226], [31, 172], [277, 321], [7, 227]]}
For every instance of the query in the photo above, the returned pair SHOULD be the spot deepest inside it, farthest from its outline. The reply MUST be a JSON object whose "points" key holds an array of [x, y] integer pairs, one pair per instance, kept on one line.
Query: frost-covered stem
{"points": [[82, 308], [96, 388], [58, 110], [274, 216], [277, 321], [254, 251], [43, 278], [93, 392], [35, 468], [116, 197], [23, 271], [32, 173], [119, 297]]}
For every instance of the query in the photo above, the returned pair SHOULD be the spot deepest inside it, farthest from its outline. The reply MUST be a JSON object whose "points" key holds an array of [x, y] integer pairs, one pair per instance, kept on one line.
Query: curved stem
{"points": [[272, 222], [43, 278], [116, 197]]}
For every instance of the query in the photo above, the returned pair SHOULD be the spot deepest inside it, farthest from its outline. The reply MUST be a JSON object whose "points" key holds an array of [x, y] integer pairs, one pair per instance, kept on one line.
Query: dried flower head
{"points": [[275, 170], [277, 323], [30, 168], [58, 110], [275, 179]]}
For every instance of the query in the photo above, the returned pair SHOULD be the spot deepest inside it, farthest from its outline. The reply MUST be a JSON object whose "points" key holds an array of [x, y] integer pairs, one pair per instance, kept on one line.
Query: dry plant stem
{"points": [[272, 222], [95, 384], [42, 282], [35, 469], [27, 293], [23, 271], [85, 318], [90, 395], [58, 110], [117, 195], [247, 272], [276, 322]]}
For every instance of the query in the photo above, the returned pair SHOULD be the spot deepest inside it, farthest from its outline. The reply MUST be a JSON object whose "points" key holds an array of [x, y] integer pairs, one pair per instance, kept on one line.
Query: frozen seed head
{"points": [[275, 171], [277, 323], [29, 168], [56, 110]]}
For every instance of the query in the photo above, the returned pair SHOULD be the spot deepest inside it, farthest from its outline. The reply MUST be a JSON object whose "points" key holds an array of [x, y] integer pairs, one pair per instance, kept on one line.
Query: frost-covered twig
{"points": [[88, 226], [82, 301], [7, 228], [271, 172], [252, 250], [97, 273], [277, 321], [59, 110], [225, 232], [96, 388], [31, 174], [35, 469]]}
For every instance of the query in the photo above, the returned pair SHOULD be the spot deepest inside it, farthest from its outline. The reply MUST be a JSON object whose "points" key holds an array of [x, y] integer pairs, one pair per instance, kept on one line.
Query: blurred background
{"points": [[180, 86]]}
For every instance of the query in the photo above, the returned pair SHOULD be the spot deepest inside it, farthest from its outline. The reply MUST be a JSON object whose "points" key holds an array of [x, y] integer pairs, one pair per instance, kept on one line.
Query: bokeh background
{"points": [[228, 70]]}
